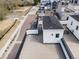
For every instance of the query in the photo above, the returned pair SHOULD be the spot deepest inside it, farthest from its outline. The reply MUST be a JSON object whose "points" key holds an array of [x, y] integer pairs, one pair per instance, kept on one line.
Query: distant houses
{"points": [[63, 1], [49, 4], [48, 26], [73, 25]]}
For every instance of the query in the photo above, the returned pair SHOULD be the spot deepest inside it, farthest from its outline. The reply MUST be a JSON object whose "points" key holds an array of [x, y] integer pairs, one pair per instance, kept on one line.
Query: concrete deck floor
{"points": [[73, 44], [34, 49]]}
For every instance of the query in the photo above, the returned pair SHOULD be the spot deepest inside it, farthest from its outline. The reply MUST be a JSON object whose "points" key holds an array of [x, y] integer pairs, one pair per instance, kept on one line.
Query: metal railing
{"points": [[20, 48], [69, 54]]}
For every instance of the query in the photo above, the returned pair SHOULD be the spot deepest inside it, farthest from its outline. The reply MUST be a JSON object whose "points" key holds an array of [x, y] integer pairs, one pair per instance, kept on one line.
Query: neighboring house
{"points": [[46, 4], [50, 27], [54, 5], [61, 18], [75, 1], [41, 11], [43, 2], [52, 30], [49, 4], [73, 25]]}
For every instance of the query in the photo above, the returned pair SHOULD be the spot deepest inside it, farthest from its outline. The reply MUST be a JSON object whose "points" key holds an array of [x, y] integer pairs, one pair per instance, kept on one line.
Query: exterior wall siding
{"points": [[72, 27], [49, 36]]}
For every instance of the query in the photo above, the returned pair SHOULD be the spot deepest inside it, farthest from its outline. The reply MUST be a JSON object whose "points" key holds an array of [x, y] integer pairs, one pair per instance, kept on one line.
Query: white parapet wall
{"points": [[64, 22], [32, 31], [64, 50]]}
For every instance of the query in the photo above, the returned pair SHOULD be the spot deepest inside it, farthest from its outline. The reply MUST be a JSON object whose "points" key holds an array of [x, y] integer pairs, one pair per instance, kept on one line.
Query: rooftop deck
{"points": [[34, 49]]}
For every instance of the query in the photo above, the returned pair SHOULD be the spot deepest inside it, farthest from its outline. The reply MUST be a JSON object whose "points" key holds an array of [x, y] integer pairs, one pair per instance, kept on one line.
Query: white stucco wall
{"points": [[54, 0], [63, 22], [50, 0], [73, 26], [49, 38], [33, 31]]}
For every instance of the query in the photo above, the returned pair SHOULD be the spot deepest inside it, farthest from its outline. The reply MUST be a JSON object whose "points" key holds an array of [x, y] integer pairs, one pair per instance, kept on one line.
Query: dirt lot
{"points": [[8, 34], [5, 23], [22, 10]]}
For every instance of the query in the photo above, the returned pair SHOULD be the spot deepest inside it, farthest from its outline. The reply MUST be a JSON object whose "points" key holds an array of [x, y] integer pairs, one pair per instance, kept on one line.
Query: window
{"points": [[52, 34], [76, 27], [57, 35], [67, 18], [71, 23]]}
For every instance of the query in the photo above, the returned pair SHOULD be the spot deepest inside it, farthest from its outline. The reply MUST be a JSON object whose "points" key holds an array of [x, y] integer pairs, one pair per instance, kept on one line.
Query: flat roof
{"points": [[33, 48], [51, 22], [76, 17]]}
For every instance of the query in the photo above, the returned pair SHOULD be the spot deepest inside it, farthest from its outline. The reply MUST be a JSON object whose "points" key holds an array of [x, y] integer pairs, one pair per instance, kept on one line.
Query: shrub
{"points": [[1, 17], [36, 2]]}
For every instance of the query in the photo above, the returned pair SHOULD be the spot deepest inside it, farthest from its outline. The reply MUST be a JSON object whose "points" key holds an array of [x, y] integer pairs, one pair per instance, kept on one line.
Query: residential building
{"points": [[52, 30], [73, 25]]}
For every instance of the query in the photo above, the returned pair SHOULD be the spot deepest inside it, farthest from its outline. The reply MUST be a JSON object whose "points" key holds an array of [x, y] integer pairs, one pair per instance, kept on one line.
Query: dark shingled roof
{"points": [[76, 17], [51, 22]]}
